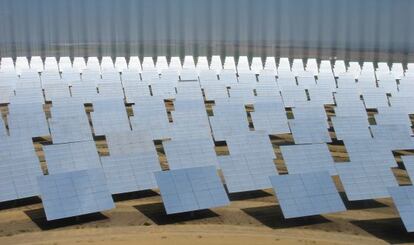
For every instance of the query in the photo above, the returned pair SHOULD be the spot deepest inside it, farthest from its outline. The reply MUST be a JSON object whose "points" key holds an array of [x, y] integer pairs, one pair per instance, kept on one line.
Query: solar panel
{"points": [[191, 189], [56, 90], [403, 197], [3, 130], [228, 119], [242, 92], [208, 75], [307, 194], [109, 90], [370, 151], [353, 109], [27, 95], [130, 172], [374, 98], [392, 115], [19, 168], [165, 89], [188, 153], [362, 181], [270, 117], [306, 131], [247, 172], [396, 136], [134, 90], [71, 156], [215, 90], [28, 120], [109, 116], [351, 128], [268, 91], [151, 115], [74, 193], [322, 94], [85, 91], [251, 142], [130, 75], [409, 166], [247, 78], [292, 95], [228, 76], [308, 158], [70, 129], [134, 142], [310, 111], [190, 125]]}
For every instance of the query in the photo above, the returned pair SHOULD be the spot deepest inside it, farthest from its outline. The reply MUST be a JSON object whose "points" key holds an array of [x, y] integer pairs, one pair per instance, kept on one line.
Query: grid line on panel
{"points": [[71, 156], [191, 189], [403, 197], [308, 158], [362, 182], [130, 172], [74, 193], [307, 194]]}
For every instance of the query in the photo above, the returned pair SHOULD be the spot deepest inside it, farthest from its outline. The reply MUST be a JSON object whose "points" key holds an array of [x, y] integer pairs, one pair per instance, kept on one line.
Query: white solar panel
{"points": [[19, 168], [135, 90], [190, 153], [362, 181], [56, 90], [109, 116], [131, 75], [164, 89], [392, 115], [409, 166], [228, 119], [228, 76], [396, 136], [308, 158], [247, 172], [270, 117], [370, 152], [70, 129], [251, 142], [322, 94], [74, 193], [27, 95], [307, 194], [190, 125], [85, 91], [28, 120], [3, 130], [126, 143], [215, 90], [351, 128], [292, 95], [132, 172], [242, 92], [403, 197], [306, 131], [374, 98], [71, 156], [310, 111], [208, 75], [353, 109], [109, 90], [191, 189]]}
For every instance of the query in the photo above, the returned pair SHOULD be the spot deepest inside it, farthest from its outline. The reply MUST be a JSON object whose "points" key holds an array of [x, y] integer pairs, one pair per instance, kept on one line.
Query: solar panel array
{"points": [[191, 189], [403, 197], [74, 193], [306, 194], [241, 102]]}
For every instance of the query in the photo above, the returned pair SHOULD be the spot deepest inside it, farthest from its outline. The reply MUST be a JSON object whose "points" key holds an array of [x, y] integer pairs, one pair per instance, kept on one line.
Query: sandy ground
{"points": [[252, 218]]}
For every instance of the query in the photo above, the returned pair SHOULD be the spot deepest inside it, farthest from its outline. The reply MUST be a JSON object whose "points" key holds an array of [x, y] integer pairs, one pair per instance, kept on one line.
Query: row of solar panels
{"points": [[243, 64], [250, 162]]}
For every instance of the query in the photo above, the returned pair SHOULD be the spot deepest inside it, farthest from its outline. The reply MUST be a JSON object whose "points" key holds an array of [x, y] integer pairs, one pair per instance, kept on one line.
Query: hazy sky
{"points": [[203, 27]]}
